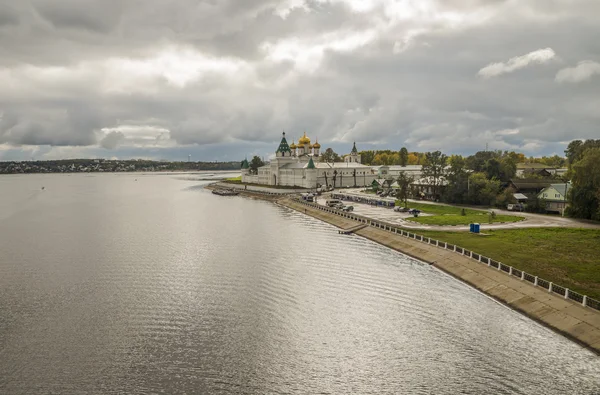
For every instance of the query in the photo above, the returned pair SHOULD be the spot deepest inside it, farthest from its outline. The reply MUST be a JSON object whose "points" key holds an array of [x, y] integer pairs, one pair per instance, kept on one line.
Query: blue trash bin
{"points": [[476, 228]]}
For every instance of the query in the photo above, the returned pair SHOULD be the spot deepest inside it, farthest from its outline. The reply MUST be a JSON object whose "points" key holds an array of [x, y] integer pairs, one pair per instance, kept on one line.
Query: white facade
{"points": [[394, 171], [302, 166]]}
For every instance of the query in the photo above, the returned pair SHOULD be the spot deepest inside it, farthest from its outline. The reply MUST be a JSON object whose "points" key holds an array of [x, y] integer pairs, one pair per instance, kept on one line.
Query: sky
{"points": [[221, 79]]}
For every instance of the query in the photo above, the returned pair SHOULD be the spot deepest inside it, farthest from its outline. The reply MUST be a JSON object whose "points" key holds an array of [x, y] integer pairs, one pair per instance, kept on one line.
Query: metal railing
{"points": [[511, 271]]}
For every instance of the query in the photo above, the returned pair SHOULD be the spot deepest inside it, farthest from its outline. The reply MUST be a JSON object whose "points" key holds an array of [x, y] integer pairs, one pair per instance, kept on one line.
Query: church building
{"points": [[302, 166]]}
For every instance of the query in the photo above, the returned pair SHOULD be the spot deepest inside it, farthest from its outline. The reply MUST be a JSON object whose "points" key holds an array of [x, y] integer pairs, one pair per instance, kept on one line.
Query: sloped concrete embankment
{"points": [[567, 317]]}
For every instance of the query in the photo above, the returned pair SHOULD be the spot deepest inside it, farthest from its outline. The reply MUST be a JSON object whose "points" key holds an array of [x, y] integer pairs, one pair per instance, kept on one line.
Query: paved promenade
{"points": [[578, 323]]}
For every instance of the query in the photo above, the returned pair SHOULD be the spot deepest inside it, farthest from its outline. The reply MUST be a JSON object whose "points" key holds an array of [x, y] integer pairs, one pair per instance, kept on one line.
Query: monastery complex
{"points": [[302, 165]]}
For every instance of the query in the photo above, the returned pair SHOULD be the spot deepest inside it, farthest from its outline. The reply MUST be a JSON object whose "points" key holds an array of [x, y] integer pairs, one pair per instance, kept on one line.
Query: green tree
{"points": [[367, 157], [404, 182], [584, 196], [255, 163], [330, 156], [403, 156], [457, 176], [478, 161], [491, 168], [433, 170], [576, 148], [483, 191], [506, 197], [573, 151], [508, 168]]}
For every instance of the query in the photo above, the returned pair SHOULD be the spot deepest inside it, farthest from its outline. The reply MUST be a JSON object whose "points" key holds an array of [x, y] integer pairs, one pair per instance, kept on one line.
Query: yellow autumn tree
{"points": [[413, 159]]}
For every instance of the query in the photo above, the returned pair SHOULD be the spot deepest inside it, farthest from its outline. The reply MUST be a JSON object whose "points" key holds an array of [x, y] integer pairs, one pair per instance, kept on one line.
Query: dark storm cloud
{"points": [[112, 140], [143, 78], [97, 16], [8, 15]]}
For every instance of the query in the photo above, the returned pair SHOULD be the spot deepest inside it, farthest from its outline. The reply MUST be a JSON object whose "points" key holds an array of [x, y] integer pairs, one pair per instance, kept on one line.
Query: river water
{"points": [[132, 283]]}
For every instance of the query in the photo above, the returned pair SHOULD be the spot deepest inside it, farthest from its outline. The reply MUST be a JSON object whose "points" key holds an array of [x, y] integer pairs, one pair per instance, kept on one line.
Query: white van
{"points": [[333, 202]]}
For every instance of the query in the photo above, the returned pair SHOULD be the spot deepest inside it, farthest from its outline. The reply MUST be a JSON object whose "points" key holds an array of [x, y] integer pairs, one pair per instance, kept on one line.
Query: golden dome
{"points": [[310, 146], [304, 140], [293, 146], [317, 145]]}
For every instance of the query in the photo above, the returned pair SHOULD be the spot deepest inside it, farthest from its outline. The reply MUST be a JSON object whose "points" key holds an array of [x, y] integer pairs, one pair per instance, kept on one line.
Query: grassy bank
{"points": [[568, 257], [450, 215]]}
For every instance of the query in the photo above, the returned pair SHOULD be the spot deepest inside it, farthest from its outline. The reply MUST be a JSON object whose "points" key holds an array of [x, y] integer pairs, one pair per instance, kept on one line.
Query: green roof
{"points": [[283, 146], [245, 164], [354, 150], [311, 164]]}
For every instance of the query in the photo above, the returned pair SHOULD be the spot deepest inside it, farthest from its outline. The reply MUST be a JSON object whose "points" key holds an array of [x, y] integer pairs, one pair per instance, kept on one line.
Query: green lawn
{"points": [[451, 215], [234, 179], [566, 256]]}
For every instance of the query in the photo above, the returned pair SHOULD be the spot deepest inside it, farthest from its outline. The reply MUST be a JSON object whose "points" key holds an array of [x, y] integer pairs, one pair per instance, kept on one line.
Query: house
{"points": [[561, 172], [394, 171], [524, 168], [520, 198], [555, 197], [429, 188], [543, 173], [529, 186]]}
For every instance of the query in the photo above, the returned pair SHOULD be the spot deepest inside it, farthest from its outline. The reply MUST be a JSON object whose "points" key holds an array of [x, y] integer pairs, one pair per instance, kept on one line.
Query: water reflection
{"points": [[108, 285]]}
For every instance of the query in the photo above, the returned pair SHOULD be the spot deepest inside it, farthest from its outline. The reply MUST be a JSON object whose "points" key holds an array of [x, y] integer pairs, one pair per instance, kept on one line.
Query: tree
{"points": [[255, 164], [413, 159], [553, 161], [404, 182], [330, 156], [478, 161], [457, 176], [584, 196], [573, 151], [483, 191], [506, 197], [491, 168], [576, 149], [433, 170], [403, 156], [508, 168], [366, 157]]}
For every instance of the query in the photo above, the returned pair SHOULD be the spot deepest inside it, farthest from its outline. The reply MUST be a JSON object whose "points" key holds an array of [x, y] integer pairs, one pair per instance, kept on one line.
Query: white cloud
{"points": [[307, 54], [134, 136], [536, 57], [582, 72], [508, 132]]}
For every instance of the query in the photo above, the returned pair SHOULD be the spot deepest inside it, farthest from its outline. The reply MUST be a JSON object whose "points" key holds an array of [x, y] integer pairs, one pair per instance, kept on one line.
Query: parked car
{"points": [[515, 207], [401, 209], [414, 211], [348, 208]]}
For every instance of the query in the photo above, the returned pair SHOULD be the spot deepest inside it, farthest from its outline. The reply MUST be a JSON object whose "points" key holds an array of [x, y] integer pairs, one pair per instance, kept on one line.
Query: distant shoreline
{"points": [[142, 172]]}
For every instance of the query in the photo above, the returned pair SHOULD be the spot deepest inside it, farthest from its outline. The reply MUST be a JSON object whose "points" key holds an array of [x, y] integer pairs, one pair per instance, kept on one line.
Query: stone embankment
{"points": [[569, 318]]}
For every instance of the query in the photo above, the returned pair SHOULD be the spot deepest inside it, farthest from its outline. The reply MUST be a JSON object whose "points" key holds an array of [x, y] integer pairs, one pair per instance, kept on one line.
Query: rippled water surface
{"points": [[151, 284]]}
